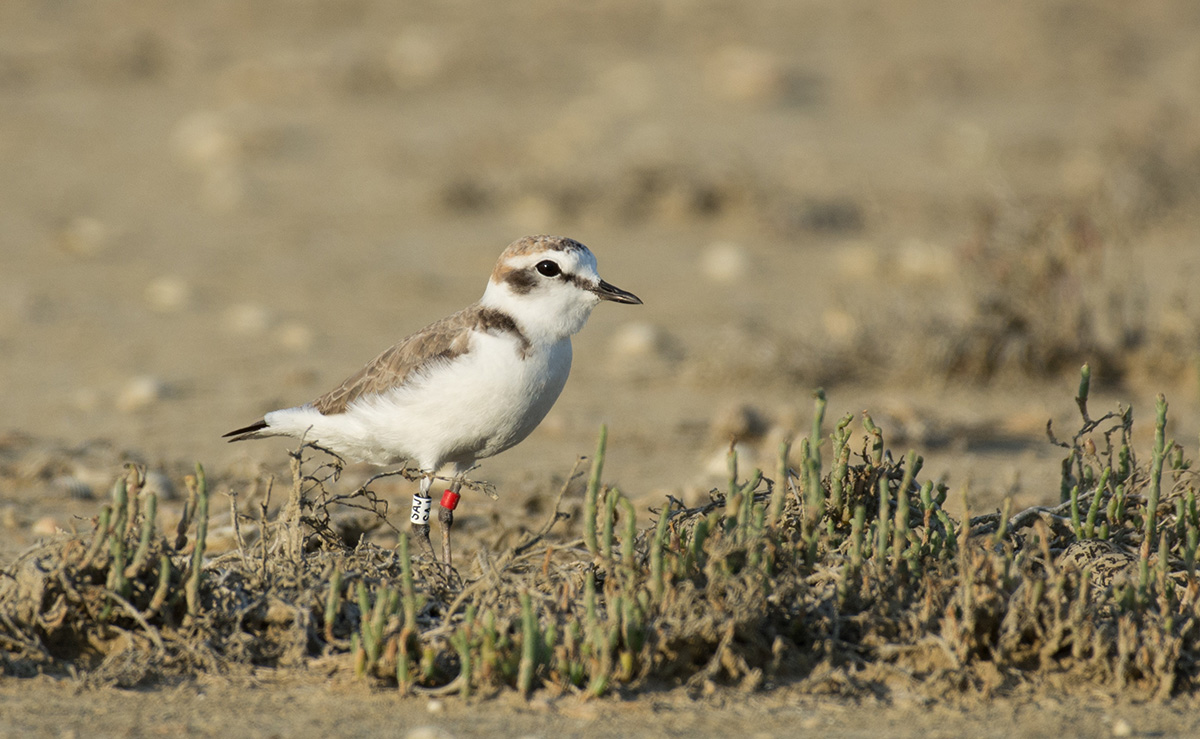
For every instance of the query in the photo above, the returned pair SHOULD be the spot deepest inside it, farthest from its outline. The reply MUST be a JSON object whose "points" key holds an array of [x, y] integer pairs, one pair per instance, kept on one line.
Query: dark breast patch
{"points": [[492, 320]]}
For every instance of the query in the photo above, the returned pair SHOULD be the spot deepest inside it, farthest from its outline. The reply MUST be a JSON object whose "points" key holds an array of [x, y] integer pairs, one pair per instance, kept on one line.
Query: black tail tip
{"points": [[242, 433]]}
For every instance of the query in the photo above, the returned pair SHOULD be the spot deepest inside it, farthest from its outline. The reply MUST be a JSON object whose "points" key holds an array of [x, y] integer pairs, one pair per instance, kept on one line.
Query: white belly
{"points": [[474, 406]]}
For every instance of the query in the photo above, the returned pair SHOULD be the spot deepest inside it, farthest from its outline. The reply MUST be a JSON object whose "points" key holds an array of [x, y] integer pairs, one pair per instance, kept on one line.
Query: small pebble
{"points": [[84, 237], [744, 74], [718, 464], [161, 485], [45, 526], [841, 327], [168, 294], [203, 139], [72, 487], [1121, 727], [428, 732], [637, 340], [279, 613], [724, 262], [294, 336], [247, 319], [140, 393], [923, 261], [738, 422], [435, 706]]}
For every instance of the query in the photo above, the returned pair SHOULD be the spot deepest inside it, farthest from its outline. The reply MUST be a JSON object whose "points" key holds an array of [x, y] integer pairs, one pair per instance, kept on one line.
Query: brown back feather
{"points": [[440, 341]]}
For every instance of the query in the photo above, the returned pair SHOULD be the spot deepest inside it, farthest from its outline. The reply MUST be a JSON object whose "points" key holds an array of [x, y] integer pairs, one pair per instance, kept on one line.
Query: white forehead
{"points": [[578, 262], [571, 256]]}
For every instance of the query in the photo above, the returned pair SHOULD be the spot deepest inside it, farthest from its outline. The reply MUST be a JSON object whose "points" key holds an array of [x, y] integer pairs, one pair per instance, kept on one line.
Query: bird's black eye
{"points": [[547, 268]]}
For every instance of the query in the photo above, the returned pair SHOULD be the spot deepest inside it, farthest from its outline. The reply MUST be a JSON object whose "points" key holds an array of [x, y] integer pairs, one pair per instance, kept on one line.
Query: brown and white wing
{"points": [[440, 341]]}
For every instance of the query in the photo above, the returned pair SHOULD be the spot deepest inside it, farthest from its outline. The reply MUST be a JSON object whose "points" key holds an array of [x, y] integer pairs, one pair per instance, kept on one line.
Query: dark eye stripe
{"points": [[521, 280], [577, 281]]}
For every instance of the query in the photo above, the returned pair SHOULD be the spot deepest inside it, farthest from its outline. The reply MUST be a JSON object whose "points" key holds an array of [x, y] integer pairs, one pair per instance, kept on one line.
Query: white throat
{"points": [[544, 316]]}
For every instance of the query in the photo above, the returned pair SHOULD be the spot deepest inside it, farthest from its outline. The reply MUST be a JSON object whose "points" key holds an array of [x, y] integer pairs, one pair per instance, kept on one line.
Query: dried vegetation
{"points": [[843, 573]]}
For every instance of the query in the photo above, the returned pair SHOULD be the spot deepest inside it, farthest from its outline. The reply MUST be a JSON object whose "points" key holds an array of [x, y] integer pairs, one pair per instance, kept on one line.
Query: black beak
{"points": [[615, 294]]}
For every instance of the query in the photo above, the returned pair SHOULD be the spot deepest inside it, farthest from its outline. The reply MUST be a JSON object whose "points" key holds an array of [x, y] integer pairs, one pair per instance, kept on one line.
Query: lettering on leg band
{"points": [[420, 509]]}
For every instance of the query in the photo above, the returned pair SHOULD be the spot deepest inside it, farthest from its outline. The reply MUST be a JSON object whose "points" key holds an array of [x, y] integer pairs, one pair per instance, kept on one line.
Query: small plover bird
{"points": [[466, 387]]}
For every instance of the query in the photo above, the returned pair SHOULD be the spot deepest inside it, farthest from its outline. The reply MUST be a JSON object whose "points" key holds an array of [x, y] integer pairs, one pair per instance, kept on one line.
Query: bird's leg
{"points": [[446, 518], [420, 513]]}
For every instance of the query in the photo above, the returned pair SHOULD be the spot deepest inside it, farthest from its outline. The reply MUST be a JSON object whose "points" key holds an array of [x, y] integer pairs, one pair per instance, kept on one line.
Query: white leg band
{"points": [[420, 509]]}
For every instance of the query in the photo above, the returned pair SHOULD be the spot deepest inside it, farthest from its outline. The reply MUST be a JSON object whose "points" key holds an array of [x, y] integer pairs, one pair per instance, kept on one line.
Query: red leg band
{"points": [[450, 500]]}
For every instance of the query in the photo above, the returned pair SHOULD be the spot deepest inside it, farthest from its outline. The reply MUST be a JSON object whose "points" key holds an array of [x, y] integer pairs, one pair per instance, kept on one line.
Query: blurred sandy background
{"points": [[935, 209]]}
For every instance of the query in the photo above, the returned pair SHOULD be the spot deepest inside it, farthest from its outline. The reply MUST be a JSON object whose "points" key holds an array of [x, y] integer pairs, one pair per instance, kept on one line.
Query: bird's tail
{"points": [[253, 431]]}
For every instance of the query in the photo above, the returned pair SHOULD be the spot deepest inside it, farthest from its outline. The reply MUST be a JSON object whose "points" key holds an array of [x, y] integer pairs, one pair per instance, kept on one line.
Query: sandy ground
{"points": [[210, 211], [310, 705]]}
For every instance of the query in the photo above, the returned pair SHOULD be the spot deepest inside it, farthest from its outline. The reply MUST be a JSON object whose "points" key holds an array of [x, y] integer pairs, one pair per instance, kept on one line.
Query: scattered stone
{"points": [[247, 319], [743, 74], [204, 140], [841, 327], [84, 236], [636, 340], [72, 487], [1121, 728], [209, 144], [738, 422], [168, 294], [222, 539], [295, 336], [45, 526], [717, 465], [160, 484], [279, 613], [140, 393], [922, 261], [724, 262]]}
